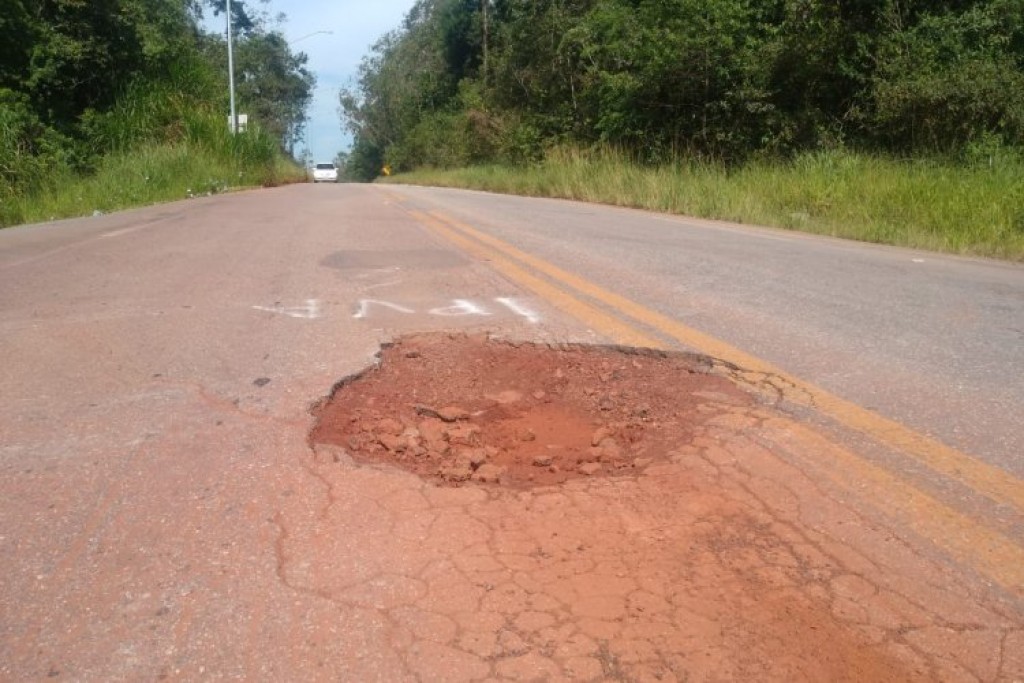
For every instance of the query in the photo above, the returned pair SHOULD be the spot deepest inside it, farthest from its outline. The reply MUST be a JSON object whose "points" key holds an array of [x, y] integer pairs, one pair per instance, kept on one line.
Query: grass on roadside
{"points": [[146, 176], [202, 158], [975, 209]]}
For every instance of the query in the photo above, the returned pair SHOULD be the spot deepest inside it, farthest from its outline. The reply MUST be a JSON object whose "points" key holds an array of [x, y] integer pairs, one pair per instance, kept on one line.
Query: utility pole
{"points": [[483, 4], [231, 74]]}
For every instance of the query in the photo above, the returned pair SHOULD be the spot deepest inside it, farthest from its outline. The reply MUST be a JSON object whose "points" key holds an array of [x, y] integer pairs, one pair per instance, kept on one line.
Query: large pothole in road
{"points": [[460, 409]]}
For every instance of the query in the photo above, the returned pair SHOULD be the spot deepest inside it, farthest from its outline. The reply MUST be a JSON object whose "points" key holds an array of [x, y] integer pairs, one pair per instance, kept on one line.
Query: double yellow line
{"points": [[616, 317]]}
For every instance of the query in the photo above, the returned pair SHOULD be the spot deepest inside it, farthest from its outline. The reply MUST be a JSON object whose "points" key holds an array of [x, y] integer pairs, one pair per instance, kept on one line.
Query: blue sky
{"points": [[334, 58]]}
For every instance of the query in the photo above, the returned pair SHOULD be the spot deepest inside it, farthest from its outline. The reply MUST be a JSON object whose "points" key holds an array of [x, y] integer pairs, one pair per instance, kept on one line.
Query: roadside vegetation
{"points": [[925, 204], [106, 105], [895, 122]]}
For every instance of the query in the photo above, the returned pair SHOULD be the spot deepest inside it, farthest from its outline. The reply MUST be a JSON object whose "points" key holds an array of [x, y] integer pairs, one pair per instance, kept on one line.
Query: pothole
{"points": [[458, 409]]}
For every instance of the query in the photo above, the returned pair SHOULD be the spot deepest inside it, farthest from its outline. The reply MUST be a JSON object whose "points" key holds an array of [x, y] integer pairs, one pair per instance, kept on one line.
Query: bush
{"points": [[30, 152], [951, 80]]}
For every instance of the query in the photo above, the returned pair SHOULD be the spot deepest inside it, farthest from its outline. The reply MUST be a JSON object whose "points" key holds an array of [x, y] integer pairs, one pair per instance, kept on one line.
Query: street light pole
{"points": [[486, 32], [231, 74]]}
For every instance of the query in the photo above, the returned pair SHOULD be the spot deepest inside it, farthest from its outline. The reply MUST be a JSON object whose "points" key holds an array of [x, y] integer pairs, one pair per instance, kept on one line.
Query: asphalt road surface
{"points": [[162, 513]]}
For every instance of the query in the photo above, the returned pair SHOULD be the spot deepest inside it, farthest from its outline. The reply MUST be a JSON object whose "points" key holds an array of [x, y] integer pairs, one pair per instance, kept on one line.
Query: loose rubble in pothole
{"points": [[458, 409]]}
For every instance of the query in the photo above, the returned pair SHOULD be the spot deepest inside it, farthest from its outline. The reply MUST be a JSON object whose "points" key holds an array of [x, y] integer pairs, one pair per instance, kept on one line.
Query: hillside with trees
{"points": [[130, 98], [469, 81]]}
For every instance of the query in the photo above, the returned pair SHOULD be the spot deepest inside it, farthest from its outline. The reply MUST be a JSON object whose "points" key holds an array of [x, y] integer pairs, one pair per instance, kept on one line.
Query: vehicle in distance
{"points": [[325, 173]]}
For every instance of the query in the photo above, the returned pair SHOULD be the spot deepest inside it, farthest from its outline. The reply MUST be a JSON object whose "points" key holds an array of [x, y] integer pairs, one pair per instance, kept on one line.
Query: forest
{"points": [[466, 82], [131, 98]]}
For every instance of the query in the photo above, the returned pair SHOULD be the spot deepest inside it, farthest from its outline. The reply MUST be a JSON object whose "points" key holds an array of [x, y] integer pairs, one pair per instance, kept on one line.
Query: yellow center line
{"points": [[989, 551], [967, 540], [593, 317], [992, 482]]}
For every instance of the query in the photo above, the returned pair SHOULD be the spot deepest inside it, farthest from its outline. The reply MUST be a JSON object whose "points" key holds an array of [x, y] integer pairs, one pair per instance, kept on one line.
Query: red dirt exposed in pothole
{"points": [[456, 408]]}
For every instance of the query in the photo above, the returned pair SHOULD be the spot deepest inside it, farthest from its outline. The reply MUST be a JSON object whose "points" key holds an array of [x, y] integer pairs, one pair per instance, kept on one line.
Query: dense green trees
{"points": [[949, 78], [469, 80], [82, 78]]}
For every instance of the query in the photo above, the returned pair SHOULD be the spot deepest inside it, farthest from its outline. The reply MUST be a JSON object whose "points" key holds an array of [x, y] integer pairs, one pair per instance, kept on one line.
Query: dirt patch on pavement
{"points": [[700, 569], [457, 409]]}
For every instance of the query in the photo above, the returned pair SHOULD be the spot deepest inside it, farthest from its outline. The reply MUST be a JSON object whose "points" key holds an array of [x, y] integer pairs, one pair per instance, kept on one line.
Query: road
{"points": [[162, 513]]}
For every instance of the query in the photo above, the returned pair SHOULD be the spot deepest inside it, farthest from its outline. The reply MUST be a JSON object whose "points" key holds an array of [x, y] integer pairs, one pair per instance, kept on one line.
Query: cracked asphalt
{"points": [[163, 515]]}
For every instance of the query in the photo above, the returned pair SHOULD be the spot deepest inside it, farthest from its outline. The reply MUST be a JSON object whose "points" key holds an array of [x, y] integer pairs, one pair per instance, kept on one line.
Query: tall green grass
{"points": [[148, 175], [965, 208], [162, 141]]}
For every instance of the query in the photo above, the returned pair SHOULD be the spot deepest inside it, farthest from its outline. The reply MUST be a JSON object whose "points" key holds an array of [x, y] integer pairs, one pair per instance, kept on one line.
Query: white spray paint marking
{"points": [[364, 307], [311, 311], [918, 260], [517, 308], [459, 307]]}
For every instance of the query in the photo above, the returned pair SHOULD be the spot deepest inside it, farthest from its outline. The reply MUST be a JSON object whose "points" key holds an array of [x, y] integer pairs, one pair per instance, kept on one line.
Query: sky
{"points": [[334, 58]]}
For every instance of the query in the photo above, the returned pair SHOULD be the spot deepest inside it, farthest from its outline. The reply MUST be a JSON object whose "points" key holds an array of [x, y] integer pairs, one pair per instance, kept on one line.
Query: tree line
{"points": [[81, 79], [469, 81]]}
